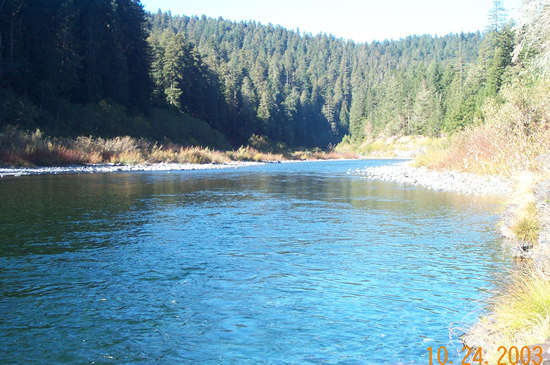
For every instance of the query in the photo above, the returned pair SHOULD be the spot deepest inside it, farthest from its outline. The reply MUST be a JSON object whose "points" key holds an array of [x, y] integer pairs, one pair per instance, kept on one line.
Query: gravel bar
{"points": [[105, 168], [464, 183]]}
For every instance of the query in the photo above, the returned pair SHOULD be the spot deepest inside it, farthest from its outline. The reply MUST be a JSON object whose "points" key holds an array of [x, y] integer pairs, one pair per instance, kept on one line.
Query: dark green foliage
{"points": [[79, 50], [312, 90], [74, 66], [105, 68]]}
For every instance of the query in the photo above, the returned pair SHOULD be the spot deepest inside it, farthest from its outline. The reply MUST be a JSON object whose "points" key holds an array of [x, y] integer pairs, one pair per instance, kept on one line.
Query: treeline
{"points": [[306, 89], [512, 135], [83, 67], [107, 68], [314, 90]]}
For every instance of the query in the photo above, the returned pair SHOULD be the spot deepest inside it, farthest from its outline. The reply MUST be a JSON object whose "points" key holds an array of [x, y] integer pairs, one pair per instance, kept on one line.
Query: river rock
{"points": [[464, 183]]}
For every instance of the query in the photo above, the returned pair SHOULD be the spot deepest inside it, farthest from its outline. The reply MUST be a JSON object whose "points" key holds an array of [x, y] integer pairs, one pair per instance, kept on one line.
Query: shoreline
{"points": [[485, 332], [451, 181], [142, 167], [110, 168]]}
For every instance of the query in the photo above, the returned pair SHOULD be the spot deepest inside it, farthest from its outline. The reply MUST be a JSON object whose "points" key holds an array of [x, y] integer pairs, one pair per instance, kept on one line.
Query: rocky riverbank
{"points": [[464, 183], [103, 168], [494, 329]]}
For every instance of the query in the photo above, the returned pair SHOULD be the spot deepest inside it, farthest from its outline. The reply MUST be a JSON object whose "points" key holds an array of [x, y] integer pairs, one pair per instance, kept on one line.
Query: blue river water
{"points": [[280, 263]]}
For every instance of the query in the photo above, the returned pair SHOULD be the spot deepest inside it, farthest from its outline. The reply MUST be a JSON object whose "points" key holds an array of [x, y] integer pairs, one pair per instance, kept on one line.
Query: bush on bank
{"points": [[19, 148]]}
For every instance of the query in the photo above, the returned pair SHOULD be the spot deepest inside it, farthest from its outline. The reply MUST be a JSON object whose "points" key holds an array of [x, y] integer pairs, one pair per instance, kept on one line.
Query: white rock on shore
{"points": [[119, 168], [463, 183]]}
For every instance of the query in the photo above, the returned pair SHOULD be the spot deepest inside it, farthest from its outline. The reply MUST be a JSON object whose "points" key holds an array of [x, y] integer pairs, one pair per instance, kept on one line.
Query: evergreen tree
{"points": [[241, 78]]}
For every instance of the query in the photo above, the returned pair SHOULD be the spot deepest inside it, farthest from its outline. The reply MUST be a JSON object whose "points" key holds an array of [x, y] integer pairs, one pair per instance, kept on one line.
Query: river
{"points": [[278, 263]]}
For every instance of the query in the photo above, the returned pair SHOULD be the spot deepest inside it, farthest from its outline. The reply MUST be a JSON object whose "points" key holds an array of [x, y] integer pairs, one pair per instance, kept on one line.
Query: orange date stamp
{"points": [[512, 355]]}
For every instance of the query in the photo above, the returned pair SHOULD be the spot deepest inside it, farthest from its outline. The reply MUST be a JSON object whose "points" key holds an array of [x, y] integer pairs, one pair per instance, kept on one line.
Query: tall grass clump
{"points": [[249, 153], [527, 226], [23, 148], [178, 154], [120, 150], [519, 316]]}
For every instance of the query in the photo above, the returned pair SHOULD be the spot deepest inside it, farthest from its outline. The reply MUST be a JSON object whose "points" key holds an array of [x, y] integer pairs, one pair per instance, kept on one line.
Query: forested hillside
{"points": [[57, 54], [108, 68], [305, 89]]}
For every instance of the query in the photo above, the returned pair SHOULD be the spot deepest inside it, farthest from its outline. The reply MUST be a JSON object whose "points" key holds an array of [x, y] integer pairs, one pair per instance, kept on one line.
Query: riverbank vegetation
{"points": [[518, 316], [511, 138], [390, 147], [26, 149], [514, 132]]}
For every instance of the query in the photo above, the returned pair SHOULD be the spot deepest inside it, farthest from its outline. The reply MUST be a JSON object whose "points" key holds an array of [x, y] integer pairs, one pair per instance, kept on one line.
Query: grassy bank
{"points": [[513, 142], [20, 148], [518, 316]]}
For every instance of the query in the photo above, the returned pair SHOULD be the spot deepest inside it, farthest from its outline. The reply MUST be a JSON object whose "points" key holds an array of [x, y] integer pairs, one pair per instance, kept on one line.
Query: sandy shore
{"points": [[463, 183], [102, 168]]}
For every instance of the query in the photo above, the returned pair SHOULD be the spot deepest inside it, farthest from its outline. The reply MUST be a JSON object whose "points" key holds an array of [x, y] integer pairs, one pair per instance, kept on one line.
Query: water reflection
{"points": [[294, 262]]}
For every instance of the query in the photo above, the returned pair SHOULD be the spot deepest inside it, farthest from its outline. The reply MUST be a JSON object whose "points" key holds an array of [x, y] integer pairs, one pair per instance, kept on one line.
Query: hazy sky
{"points": [[362, 21]]}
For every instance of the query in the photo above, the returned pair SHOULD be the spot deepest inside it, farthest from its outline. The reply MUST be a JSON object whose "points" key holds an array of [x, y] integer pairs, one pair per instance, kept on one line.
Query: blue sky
{"points": [[362, 21]]}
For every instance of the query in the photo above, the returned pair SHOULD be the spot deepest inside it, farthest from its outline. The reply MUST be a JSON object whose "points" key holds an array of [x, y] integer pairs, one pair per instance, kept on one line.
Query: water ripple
{"points": [[289, 263]]}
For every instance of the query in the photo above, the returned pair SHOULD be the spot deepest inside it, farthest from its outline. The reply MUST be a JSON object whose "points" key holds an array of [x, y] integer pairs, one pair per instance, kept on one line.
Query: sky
{"points": [[361, 21]]}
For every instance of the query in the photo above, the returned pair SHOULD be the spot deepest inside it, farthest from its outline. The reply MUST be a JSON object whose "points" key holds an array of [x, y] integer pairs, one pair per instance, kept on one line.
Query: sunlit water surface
{"points": [[282, 263]]}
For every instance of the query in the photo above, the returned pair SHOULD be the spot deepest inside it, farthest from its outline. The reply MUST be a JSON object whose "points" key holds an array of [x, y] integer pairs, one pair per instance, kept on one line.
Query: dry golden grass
{"points": [[388, 147], [335, 155], [513, 134], [21, 148], [323, 155], [523, 225], [178, 154], [519, 316], [527, 226], [252, 154]]}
